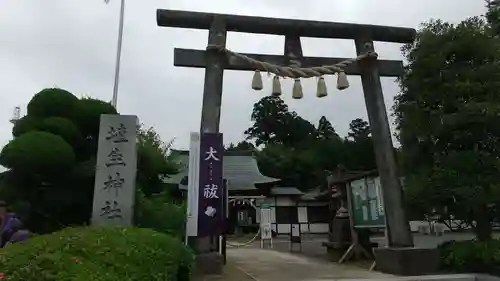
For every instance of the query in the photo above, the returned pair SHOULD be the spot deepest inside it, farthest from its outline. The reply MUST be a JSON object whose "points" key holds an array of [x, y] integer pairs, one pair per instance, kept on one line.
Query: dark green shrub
{"points": [[62, 127], [53, 102], [470, 256], [37, 151], [88, 115], [25, 124], [161, 213], [97, 254]]}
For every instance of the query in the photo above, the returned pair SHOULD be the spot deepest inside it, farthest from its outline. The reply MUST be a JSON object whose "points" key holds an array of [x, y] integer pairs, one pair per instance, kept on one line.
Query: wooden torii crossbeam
{"points": [[370, 70]]}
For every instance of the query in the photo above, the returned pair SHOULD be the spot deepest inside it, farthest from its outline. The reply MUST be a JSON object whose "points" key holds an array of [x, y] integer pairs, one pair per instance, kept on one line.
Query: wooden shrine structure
{"points": [[216, 58]]}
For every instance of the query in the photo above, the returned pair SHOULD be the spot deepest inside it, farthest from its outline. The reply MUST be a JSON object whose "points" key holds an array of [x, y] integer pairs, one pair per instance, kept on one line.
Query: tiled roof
{"points": [[281, 190], [231, 187], [350, 176], [240, 170], [313, 194]]}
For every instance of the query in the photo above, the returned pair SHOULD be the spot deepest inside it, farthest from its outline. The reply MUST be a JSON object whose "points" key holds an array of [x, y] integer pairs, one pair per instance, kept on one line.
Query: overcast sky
{"points": [[71, 44]]}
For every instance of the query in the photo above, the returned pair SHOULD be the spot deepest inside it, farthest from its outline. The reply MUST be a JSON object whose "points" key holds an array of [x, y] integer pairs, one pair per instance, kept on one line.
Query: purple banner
{"points": [[210, 211]]}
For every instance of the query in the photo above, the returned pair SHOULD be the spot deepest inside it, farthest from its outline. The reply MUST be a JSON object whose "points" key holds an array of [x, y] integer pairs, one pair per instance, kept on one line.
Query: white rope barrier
{"points": [[247, 243]]}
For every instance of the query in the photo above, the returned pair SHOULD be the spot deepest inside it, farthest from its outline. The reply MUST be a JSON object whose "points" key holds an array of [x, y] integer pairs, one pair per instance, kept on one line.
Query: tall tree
{"points": [[446, 115], [325, 129], [274, 123], [328, 150], [269, 116], [359, 145], [295, 167], [154, 161], [493, 15], [359, 129], [241, 146], [299, 153]]}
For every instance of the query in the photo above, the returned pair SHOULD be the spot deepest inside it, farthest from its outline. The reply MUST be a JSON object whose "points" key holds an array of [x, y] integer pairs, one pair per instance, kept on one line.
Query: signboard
{"points": [[243, 218], [265, 223], [295, 235], [367, 203], [116, 167], [193, 186], [265, 215], [211, 190], [266, 233]]}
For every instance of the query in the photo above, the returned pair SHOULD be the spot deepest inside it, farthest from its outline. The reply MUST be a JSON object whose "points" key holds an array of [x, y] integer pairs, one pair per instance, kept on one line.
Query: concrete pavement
{"points": [[271, 265], [251, 263]]}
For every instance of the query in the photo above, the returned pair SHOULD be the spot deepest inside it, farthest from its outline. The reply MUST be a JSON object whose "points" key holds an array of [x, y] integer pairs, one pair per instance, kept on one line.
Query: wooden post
{"points": [[293, 50], [212, 100], [398, 229], [214, 73], [277, 26], [226, 219]]}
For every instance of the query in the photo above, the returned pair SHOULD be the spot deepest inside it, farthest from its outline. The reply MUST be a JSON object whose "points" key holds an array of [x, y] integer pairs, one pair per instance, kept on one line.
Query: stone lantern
{"points": [[339, 236]]}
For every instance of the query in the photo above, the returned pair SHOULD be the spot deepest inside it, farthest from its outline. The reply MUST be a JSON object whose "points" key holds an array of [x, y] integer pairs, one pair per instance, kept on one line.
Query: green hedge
{"points": [[161, 213], [471, 256], [98, 254]]}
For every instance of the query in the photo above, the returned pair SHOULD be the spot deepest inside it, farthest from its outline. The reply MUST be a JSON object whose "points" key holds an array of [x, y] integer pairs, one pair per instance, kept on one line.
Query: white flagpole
{"points": [[118, 53]]}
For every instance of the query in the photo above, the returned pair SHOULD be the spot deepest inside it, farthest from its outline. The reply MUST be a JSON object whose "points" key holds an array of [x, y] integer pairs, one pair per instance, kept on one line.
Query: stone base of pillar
{"points": [[407, 261], [209, 263], [341, 231], [207, 260], [339, 239]]}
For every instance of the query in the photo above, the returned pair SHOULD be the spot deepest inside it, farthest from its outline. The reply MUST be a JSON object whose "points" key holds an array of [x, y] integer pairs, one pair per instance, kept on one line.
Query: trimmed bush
{"points": [[97, 254], [88, 115], [37, 151], [160, 213], [53, 102], [25, 124], [62, 127], [471, 256]]}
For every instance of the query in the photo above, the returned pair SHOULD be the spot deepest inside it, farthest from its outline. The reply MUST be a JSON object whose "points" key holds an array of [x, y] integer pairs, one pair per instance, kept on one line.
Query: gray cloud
{"points": [[71, 44]]}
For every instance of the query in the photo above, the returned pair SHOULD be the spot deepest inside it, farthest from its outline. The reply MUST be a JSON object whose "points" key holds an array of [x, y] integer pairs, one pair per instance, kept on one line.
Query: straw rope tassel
{"points": [[257, 81], [276, 86], [342, 82], [297, 89], [321, 89]]}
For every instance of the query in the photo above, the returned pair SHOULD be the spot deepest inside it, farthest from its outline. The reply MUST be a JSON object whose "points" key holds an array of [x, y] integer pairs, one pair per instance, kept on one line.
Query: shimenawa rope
{"points": [[296, 72]]}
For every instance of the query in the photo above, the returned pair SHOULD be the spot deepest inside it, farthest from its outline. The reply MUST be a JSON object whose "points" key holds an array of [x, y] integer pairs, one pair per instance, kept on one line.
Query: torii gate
{"points": [[292, 64]]}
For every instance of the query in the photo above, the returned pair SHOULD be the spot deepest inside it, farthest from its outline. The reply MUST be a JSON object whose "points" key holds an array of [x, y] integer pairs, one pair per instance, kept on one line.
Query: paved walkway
{"points": [[312, 247], [254, 264], [271, 265]]}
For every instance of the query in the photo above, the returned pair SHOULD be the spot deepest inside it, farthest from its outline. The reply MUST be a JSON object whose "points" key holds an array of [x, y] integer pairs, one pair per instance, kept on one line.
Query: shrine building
{"points": [[247, 186]]}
